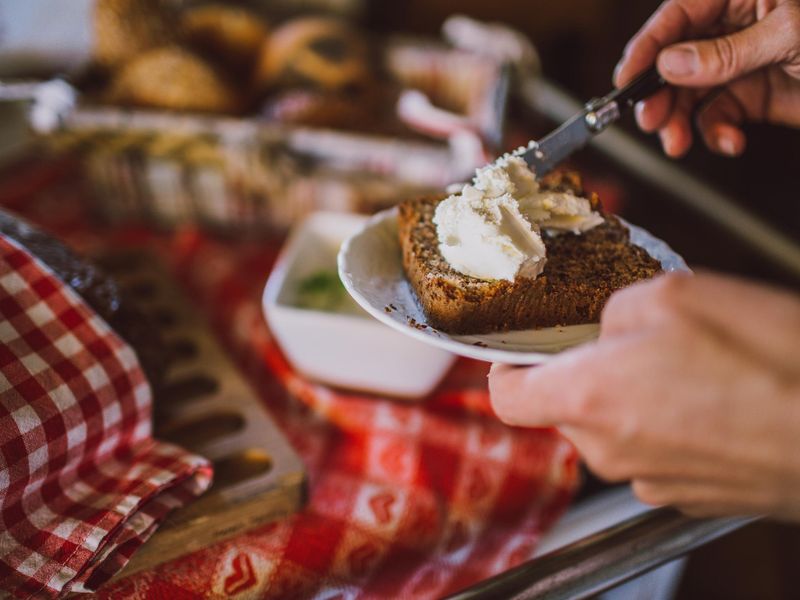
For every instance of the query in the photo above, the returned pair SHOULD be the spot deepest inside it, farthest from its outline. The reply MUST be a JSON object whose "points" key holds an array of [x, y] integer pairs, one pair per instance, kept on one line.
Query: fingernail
{"points": [[665, 140], [726, 145], [668, 143], [680, 60], [638, 111]]}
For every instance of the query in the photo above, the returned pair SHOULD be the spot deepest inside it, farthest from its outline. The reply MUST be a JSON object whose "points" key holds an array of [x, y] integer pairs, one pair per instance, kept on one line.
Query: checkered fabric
{"points": [[82, 483], [405, 500]]}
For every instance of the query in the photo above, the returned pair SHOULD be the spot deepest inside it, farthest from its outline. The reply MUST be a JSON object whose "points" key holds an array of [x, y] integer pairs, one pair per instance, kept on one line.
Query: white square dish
{"points": [[349, 350]]}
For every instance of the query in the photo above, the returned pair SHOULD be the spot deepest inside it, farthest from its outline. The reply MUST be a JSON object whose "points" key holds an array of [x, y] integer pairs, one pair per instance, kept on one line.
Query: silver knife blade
{"points": [[543, 156]]}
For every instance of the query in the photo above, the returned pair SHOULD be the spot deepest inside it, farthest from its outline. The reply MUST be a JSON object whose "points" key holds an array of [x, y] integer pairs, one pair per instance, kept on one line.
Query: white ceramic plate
{"points": [[371, 268]]}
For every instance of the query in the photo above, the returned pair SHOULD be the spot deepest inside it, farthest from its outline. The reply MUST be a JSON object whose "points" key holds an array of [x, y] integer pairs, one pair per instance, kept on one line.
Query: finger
{"points": [[615, 456], [784, 99], [652, 114], [676, 135], [718, 122], [708, 499], [673, 21], [680, 458], [721, 60], [713, 498], [600, 457], [724, 138], [642, 304], [755, 316], [517, 402], [547, 395], [757, 310]]}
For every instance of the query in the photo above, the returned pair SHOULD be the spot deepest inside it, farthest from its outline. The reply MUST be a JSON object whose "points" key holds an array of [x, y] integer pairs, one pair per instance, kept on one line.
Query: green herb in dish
{"points": [[323, 290]]}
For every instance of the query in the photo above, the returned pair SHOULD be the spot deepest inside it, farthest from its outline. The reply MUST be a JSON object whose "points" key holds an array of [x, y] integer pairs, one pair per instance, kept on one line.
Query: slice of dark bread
{"points": [[581, 272]]}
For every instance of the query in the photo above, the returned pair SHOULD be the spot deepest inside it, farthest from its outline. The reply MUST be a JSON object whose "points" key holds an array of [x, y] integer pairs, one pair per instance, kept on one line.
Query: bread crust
{"points": [[581, 273]]}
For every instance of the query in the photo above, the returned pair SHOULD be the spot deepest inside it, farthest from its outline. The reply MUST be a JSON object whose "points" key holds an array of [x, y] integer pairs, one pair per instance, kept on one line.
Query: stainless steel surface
{"points": [[604, 115], [555, 103], [19, 90], [606, 559]]}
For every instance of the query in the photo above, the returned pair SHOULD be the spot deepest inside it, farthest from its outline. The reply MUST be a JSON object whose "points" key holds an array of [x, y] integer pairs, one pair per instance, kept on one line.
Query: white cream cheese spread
{"points": [[492, 228]]}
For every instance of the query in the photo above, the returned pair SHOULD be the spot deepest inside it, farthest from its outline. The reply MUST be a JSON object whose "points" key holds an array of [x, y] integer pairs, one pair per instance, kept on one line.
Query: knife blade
{"points": [[544, 155]]}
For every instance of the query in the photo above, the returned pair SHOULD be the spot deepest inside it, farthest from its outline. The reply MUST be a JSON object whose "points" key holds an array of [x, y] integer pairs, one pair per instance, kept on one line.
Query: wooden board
{"points": [[207, 407]]}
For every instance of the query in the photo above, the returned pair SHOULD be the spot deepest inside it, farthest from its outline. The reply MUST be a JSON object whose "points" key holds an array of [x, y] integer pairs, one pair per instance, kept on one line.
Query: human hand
{"points": [[747, 69], [692, 393]]}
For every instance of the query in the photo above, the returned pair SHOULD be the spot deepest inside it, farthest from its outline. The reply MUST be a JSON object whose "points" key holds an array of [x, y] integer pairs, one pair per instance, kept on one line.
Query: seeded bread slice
{"points": [[581, 272]]}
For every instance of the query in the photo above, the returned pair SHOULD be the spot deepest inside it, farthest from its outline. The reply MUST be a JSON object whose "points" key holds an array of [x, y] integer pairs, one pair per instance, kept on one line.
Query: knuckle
{"points": [[727, 57], [786, 17], [793, 25], [629, 428], [791, 21], [607, 465], [668, 293], [583, 404]]}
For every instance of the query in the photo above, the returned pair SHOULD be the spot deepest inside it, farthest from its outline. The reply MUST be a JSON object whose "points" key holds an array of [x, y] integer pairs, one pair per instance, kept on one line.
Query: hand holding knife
{"points": [[543, 156]]}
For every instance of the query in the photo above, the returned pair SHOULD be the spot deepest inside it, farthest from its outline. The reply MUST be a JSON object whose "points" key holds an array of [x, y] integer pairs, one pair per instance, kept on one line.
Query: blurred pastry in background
{"points": [[226, 35], [371, 111], [314, 52], [173, 78], [315, 71], [125, 28], [311, 108]]}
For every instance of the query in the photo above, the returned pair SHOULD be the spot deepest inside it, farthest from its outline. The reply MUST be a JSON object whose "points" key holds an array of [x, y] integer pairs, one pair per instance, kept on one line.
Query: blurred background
{"points": [[579, 42]]}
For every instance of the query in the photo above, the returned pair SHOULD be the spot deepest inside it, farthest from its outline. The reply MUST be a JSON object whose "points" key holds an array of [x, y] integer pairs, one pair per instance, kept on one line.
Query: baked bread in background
{"points": [[581, 273], [315, 71], [229, 36], [314, 52], [123, 29], [173, 78]]}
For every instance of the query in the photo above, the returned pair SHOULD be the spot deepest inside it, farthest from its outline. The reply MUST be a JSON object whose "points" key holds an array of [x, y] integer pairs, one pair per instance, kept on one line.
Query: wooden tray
{"points": [[206, 407]]}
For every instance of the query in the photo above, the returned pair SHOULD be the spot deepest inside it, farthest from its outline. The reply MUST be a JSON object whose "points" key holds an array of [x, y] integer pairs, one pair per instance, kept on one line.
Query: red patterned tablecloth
{"points": [[406, 500]]}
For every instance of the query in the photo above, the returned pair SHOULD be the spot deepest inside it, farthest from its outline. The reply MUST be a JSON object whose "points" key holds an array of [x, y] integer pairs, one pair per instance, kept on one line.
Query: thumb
{"points": [[720, 60]]}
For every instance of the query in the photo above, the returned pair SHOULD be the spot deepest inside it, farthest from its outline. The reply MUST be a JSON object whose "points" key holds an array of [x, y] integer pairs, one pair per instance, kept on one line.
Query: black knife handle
{"points": [[645, 85]]}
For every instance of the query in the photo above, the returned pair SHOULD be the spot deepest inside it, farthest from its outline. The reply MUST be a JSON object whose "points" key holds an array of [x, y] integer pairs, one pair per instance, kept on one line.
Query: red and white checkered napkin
{"points": [[82, 483]]}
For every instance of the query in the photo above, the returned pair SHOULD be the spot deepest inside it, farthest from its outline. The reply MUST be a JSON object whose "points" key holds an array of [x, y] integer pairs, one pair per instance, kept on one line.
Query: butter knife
{"points": [[544, 155]]}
